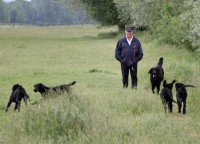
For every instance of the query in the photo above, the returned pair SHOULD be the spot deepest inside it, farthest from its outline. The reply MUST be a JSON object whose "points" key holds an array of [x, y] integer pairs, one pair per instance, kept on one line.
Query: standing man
{"points": [[129, 52]]}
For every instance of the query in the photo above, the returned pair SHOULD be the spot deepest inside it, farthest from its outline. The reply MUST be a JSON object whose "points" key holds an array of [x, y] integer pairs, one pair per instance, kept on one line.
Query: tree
{"points": [[191, 19], [138, 13], [2, 11], [104, 12], [13, 16], [167, 26]]}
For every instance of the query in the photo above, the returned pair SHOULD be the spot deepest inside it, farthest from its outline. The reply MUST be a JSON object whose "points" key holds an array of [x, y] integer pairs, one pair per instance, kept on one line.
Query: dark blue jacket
{"points": [[129, 55]]}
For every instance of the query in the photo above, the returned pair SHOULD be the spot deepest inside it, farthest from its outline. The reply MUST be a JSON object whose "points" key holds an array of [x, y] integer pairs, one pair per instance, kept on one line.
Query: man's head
{"points": [[129, 31], [129, 28]]}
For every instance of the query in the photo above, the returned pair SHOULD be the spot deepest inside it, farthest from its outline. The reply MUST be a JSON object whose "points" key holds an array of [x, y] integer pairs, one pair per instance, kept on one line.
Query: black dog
{"points": [[167, 96], [181, 95], [18, 92], [156, 76], [57, 90]]}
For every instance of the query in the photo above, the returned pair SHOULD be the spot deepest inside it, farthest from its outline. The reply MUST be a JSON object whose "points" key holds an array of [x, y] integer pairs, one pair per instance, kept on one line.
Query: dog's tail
{"points": [[174, 101], [188, 86], [160, 63], [72, 83], [173, 81]]}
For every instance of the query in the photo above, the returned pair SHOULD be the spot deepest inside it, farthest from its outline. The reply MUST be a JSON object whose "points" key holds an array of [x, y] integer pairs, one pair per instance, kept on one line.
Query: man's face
{"points": [[129, 34]]}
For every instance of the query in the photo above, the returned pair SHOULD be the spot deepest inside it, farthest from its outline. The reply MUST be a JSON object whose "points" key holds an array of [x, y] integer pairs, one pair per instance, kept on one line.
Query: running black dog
{"points": [[57, 90], [181, 95], [18, 93], [156, 76], [167, 96]]}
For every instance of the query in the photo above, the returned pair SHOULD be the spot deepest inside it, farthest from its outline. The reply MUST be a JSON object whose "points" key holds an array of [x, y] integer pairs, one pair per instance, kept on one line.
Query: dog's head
{"points": [[178, 85], [20, 91], [154, 73], [15, 86], [39, 87], [168, 85]]}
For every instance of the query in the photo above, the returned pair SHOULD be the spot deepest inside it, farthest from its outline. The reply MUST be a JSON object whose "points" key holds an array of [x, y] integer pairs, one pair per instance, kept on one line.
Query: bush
{"points": [[190, 18], [168, 27]]}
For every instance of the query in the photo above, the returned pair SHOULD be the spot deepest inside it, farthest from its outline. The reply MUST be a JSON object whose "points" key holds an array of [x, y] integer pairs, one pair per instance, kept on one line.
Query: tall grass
{"points": [[99, 110]]}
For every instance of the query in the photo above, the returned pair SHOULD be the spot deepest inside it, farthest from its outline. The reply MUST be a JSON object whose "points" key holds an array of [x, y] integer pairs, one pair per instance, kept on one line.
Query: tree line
{"points": [[172, 21], [41, 12]]}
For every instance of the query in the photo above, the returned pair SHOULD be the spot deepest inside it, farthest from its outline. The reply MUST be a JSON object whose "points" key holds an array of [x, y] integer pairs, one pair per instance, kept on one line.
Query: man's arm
{"points": [[118, 51]]}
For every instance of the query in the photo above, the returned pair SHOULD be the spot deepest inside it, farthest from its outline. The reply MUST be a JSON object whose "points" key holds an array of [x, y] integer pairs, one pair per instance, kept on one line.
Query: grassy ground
{"points": [[99, 110]]}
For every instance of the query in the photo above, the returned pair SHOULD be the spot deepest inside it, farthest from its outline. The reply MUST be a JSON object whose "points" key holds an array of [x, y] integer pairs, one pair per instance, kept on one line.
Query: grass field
{"points": [[99, 110]]}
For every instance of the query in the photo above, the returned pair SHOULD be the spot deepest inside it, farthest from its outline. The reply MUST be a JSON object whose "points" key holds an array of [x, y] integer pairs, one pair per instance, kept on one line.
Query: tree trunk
{"points": [[121, 27]]}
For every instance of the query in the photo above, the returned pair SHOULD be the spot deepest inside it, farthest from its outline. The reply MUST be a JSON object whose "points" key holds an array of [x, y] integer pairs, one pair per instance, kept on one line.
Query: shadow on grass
{"points": [[105, 35], [101, 71]]}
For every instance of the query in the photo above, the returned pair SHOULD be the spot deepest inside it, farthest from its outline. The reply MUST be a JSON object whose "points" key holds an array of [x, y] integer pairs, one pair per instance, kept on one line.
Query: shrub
{"points": [[190, 18]]}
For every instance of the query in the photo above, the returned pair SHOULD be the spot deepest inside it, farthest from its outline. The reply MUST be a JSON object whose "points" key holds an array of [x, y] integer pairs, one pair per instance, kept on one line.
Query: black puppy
{"points": [[18, 93], [181, 95], [167, 96], [57, 90], [156, 75]]}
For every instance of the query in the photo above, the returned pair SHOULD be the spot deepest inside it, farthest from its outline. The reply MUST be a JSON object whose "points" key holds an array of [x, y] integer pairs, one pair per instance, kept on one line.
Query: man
{"points": [[129, 52]]}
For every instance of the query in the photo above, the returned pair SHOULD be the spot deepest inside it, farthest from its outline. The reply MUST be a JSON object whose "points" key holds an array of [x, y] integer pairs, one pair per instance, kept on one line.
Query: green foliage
{"points": [[123, 10], [168, 27], [174, 22], [139, 13], [2, 11], [41, 12], [103, 11], [190, 18]]}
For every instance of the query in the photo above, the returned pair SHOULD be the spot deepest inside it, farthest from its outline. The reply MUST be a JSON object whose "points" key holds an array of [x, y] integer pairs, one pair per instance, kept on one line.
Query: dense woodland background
{"points": [[171, 21]]}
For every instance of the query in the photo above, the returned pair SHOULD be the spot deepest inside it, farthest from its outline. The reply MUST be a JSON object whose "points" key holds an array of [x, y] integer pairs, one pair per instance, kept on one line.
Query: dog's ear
{"points": [[164, 83], [150, 71], [41, 88]]}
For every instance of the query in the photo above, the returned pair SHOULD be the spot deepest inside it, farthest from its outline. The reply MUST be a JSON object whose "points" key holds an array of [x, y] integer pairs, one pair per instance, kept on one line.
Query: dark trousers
{"points": [[125, 73]]}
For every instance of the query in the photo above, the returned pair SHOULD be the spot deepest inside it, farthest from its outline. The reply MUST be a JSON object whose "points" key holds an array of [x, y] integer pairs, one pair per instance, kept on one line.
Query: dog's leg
{"points": [[25, 100], [179, 106], [8, 105], [158, 89], [165, 106], [16, 105], [153, 87], [184, 106], [19, 106], [170, 106]]}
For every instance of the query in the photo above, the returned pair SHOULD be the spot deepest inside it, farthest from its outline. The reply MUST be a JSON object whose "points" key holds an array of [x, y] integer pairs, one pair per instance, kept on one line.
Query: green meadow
{"points": [[99, 110]]}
